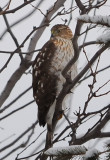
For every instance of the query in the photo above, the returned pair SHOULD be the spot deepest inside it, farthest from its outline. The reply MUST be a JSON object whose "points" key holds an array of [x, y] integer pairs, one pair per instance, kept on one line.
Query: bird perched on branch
{"points": [[47, 71]]}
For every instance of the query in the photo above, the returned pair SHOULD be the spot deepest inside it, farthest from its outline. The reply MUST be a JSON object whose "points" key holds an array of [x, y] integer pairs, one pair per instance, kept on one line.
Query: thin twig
{"points": [[12, 35], [18, 8], [20, 136], [101, 70], [16, 110], [3, 12], [22, 145], [24, 17], [17, 98], [20, 46]]}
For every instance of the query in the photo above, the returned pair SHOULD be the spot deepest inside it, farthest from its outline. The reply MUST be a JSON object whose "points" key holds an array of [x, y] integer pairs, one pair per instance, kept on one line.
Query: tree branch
{"points": [[96, 132], [24, 17], [17, 98], [17, 8], [22, 145], [80, 5], [16, 110], [16, 140]]}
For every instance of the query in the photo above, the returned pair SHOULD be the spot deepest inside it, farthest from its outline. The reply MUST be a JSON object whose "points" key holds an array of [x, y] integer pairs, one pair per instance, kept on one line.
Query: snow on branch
{"points": [[99, 20], [107, 143], [107, 146], [69, 150], [104, 38], [91, 154]]}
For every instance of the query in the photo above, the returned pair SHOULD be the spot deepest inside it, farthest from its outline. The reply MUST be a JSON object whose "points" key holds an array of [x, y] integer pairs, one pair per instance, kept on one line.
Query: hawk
{"points": [[47, 71]]}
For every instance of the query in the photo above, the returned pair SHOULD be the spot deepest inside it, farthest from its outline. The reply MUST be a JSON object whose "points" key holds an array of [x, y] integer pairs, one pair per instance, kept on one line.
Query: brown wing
{"points": [[44, 82]]}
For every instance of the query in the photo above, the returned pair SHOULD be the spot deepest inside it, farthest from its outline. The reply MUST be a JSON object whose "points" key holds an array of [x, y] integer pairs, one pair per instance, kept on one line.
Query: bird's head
{"points": [[62, 31]]}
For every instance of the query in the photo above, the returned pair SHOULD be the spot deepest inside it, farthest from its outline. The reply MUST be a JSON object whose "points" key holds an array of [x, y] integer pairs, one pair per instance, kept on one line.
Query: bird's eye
{"points": [[59, 31]]}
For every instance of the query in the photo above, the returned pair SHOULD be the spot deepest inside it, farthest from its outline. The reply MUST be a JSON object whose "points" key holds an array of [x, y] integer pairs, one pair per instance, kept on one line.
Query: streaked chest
{"points": [[63, 54]]}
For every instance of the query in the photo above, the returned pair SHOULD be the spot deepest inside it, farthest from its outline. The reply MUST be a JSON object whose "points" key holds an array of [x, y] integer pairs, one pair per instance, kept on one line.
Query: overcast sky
{"points": [[18, 122]]}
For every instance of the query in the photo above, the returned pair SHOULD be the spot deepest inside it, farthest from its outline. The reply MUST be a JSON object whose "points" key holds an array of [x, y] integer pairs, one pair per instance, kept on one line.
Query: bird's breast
{"points": [[63, 54]]}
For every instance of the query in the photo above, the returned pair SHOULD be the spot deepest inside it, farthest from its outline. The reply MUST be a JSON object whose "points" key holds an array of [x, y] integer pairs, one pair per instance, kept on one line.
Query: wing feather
{"points": [[44, 82]]}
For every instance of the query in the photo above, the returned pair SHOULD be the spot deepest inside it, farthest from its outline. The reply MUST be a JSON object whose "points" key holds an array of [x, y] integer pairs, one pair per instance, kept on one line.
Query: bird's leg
{"points": [[49, 137]]}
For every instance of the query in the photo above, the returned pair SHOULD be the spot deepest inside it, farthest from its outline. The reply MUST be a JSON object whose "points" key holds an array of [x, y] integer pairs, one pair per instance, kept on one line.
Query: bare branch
{"points": [[19, 7], [13, 80], [16, 110], [96, 132], [12, 35], [24, 17], [2, 12], [22, 145], [18, 97], [101, 70], [30, 145], [16, 140]]}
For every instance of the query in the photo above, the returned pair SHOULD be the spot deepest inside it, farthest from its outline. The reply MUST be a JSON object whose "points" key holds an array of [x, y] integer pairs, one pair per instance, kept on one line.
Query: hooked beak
{"points": [[52, 36]]}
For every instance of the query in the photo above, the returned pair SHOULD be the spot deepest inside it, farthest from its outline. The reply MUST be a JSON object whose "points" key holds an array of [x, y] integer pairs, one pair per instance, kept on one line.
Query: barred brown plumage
{"points": [[47, 71]]}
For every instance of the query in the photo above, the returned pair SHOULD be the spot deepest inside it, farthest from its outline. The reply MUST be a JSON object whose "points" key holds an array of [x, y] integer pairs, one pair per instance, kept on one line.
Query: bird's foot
{"points": [[68, 78]]}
